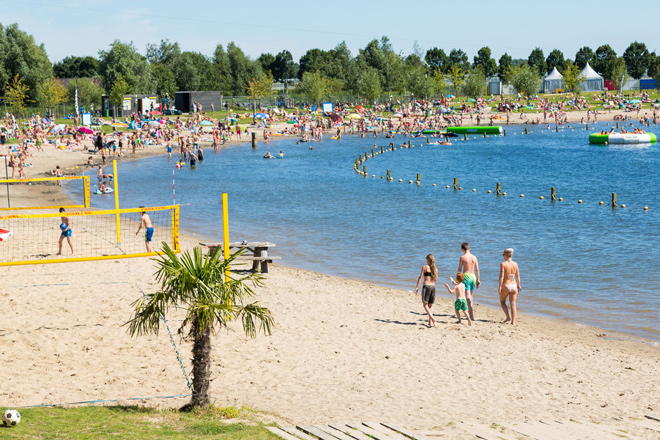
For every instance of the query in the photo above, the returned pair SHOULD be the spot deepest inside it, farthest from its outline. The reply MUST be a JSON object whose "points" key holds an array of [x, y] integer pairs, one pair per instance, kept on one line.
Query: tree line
{"points": [[376, 69]]}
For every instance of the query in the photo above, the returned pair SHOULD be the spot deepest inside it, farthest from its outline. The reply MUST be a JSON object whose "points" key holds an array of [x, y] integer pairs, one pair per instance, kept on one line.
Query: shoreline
{"points": [[191, 237], [364, 348]]}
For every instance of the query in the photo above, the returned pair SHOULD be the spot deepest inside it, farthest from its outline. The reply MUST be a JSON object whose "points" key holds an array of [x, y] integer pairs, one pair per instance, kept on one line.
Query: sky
{"points": [[80, 28]]}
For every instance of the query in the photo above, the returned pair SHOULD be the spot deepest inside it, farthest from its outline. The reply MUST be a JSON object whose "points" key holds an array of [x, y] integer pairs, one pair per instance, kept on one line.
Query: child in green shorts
{"points": [[461, 302]]}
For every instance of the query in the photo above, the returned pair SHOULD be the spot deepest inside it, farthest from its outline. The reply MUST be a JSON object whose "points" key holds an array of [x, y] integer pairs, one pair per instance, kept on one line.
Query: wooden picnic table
{"points": [[257, 252]]}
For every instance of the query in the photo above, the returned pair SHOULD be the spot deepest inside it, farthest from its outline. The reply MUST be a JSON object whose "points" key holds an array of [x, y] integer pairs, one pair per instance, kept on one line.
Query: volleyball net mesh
{"points": [[95, 235], [23, 194]]}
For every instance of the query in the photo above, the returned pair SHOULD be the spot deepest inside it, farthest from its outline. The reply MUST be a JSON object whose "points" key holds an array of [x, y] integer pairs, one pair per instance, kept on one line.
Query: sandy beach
{"points": [[341, 350]]}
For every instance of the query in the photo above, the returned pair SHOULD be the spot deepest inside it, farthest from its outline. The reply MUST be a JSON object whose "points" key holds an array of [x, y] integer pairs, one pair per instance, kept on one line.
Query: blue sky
{"points": [[75, 27]]}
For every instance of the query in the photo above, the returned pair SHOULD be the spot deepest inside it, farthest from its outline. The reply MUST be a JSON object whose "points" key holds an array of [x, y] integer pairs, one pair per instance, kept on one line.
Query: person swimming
{"points": [[268, 155]]}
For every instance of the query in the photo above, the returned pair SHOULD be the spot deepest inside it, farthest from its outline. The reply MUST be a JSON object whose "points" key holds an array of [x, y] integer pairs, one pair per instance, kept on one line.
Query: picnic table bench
{"points": [[257, 253]]}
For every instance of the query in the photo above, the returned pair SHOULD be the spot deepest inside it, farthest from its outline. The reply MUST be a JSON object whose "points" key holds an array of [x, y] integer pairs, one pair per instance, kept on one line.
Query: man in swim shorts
{"points": [[65, 226], [148, 228], [468, 265]]}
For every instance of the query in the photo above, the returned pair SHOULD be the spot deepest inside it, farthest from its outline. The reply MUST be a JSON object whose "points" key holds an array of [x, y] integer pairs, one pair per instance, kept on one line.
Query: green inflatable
{"points": [[475, 130]]}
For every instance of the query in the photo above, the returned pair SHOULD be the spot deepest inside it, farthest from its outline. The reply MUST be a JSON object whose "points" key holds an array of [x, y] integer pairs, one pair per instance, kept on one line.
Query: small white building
{"points": [[553, 81], [593, 81]]}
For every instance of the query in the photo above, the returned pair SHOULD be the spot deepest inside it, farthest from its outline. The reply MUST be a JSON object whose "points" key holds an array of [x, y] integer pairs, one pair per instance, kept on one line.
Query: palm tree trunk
{"points": [[201, 367]]}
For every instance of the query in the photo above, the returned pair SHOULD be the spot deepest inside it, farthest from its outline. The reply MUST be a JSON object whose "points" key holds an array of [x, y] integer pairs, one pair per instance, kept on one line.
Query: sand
{"points": [[341, 351]]}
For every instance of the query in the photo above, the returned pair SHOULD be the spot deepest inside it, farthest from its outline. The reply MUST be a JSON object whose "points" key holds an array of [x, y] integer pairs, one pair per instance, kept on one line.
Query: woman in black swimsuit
{"points": [[430, 275]]}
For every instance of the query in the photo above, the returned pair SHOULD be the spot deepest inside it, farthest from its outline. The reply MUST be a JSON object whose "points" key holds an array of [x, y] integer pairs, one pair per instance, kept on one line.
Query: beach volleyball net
{"points": [[95, 235], [23, 194]]}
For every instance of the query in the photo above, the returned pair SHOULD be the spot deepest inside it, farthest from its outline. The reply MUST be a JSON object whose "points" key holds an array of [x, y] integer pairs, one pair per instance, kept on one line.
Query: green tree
{"points": [[165, 53], [555, 59], [119, 89], [475, 83], [459, 58], [526, 80], [165, 80], [17, 95], [266, 60], [77, 67], [504, 69], [313, 86], [241, 69], [416, 81], [20, 55], [260, 87], [654, 68], [123, 60], [369, 85], [536, 61], [457, 77], [195, 283], [437, 59], [605, 56], [637, 58], [221, 79], [619, 72], [583, 56], [572, 78], [483, 59], [284, 68], [89, 92], [439, 82], [52, 93]]}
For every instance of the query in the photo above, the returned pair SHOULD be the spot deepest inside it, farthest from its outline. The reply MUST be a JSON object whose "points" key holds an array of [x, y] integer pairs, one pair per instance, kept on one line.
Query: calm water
{"points": [[586, 263]]}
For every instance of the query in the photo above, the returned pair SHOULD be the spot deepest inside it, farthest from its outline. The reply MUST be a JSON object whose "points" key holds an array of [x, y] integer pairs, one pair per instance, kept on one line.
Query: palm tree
{"points": [[196, 283]]}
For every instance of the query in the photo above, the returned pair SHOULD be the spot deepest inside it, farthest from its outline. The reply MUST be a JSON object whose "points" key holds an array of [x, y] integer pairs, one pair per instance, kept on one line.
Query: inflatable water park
{"points": [[622, 138]]}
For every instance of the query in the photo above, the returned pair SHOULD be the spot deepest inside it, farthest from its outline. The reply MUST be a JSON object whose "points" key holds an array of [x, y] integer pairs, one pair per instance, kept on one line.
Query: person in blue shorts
{"points": [[65, 227], [148, 228]]}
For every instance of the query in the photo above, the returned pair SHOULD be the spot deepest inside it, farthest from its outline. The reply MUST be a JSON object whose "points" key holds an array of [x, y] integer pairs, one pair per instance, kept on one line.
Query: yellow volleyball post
{"points": [[225, 232], [114, 179], [86, 191]]}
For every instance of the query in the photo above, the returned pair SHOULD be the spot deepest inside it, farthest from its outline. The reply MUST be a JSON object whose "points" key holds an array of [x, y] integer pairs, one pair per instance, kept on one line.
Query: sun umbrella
{"points": [[354, 116], [450, 96], [335, 117], [155, 112], [154, 123], [57, 128], [261, 116], [634, 101], [5, 234], [470, 100], [85, 130], [206, 123], [119, 124], [359, 108]]}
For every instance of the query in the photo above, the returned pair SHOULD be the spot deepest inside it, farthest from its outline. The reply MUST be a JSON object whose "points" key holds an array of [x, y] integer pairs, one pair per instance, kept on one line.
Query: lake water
{"points": [[586, 263]]}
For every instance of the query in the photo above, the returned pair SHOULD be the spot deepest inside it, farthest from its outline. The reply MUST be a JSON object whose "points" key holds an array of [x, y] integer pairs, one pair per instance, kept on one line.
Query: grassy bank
{"points": [[136, 423]]}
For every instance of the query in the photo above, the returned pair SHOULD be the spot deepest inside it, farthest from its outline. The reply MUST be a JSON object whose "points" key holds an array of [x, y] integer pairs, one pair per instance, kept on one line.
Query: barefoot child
{"points": [[461, 302]]}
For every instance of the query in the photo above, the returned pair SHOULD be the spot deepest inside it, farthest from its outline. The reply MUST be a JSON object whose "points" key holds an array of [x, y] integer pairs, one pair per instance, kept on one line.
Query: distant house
{"points": [[281, 86], [130, 104]]}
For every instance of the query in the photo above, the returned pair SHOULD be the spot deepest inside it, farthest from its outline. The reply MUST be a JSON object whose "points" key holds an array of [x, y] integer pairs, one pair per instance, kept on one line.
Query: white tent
{"points": [[593, 82], [553, 81]]}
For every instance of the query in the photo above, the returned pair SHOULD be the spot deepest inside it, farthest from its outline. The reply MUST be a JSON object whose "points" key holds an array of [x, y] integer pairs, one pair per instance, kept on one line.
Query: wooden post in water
{"points": [[388, 175], [465, 136], [553, 195], [391, 146], [504, 132], [587, 126], [382, 149], [364, 171], [525, 130], [617, 125], [455, 183], [427, 141], [418, 179], [557, 128], [360, 158], [499, 189], [254, 140], [357, 164], [409, 142], [614, 205]]}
